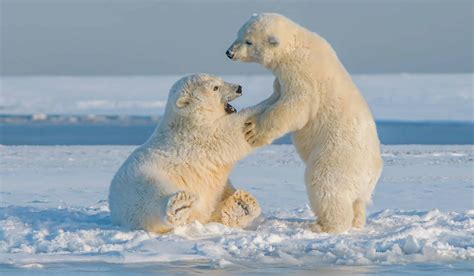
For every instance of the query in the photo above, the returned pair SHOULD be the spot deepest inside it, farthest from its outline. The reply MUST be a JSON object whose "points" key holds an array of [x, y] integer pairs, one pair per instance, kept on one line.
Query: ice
{"points": [[35, 235], [414, 97], [53, 210]]}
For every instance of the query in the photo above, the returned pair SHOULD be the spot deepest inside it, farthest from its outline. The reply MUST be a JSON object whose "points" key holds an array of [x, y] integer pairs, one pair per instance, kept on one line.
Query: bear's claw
{"points": [[249, 131], [252, 136]]}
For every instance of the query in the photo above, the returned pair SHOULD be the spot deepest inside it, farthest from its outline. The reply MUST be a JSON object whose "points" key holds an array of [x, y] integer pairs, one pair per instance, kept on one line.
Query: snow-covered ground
{"points": [[54, 217], [414, 97]]}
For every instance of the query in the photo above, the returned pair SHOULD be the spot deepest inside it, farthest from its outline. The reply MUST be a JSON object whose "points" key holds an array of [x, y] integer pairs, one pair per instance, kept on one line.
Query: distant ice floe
{"points": [[119, 105], [414, 97], [39, 117], [89, 119]]}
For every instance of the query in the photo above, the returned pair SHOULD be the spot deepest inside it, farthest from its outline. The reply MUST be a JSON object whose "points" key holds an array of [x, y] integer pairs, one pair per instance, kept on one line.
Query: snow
{"points": [[54, 216], [414, 97], [53, 210]]}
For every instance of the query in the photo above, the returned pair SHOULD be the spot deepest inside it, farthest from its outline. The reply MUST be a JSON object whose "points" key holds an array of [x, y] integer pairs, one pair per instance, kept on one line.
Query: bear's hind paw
{"points": [[178, 207], [240, 209], [318, 228]]}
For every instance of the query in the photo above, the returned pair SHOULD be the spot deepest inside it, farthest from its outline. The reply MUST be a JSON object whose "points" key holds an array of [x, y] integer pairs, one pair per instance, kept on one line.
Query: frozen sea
{"points": [[409, 109], [54, 216], [395, 97]]}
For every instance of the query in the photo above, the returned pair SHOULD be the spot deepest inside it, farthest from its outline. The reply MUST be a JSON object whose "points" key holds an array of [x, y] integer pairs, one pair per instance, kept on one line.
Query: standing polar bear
{"points": [[181, 173], [315, 98]]}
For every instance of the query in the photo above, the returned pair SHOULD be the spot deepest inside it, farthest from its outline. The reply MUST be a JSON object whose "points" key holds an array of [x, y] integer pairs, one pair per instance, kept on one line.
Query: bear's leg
{"points": [[359, 214], [228, 191], [335, 215], [240, 209], [179, 207]]}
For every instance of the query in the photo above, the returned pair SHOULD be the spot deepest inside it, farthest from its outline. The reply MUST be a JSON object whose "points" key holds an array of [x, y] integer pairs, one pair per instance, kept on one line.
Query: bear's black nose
{"points": [[229, 54], [239, 90]]}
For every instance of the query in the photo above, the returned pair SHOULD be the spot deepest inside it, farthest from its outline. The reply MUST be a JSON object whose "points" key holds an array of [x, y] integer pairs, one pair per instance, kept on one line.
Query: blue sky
{"points": [[102, 37]]}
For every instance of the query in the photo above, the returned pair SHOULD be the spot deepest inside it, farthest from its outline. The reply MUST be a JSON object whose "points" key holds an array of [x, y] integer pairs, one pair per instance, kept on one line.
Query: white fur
{"points": [[315, 98], [180, 174]]}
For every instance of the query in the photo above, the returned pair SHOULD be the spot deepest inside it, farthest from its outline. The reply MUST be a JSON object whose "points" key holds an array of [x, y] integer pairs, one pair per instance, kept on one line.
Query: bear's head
{"points": [[202, 96], [264, 38]]}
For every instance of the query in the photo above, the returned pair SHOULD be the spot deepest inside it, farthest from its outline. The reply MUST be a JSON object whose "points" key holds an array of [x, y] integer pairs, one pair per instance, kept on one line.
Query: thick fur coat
{"points": [[314, 98], [181, 173]]}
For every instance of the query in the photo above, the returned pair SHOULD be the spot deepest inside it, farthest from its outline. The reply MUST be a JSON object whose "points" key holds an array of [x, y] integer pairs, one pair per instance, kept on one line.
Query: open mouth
{"points": [[229, 109]]}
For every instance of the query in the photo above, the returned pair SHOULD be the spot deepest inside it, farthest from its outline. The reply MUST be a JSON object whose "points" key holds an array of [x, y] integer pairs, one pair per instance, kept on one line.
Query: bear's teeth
{"points": [[229, 109]]}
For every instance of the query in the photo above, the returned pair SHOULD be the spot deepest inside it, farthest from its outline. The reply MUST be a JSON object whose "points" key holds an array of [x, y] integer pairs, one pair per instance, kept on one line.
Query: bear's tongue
{"points": [[229, 109]]}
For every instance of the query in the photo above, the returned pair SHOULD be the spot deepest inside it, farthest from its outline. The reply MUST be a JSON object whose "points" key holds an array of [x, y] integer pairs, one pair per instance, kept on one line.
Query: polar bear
{"points": [[181, 173], [314, 98]]}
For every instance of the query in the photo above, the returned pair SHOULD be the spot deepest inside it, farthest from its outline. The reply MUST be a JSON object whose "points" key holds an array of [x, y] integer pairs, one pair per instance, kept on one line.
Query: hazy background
{"points": [[69, 37]]}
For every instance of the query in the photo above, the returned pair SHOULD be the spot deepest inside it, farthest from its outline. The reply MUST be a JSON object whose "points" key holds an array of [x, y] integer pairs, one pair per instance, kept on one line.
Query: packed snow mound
{"points": [[31, 236]]}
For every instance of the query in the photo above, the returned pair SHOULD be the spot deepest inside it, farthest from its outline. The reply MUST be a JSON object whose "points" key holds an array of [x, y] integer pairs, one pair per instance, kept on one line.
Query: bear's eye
{"points": [[248, 42], [215, 88]]}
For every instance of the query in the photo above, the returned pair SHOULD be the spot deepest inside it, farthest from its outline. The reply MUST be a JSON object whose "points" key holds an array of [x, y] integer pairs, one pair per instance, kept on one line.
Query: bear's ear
{"points": [[273, 40], [183, 101]]}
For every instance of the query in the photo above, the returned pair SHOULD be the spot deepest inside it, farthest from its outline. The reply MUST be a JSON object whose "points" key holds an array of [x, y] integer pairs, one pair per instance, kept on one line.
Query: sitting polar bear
{"points": [[181, 173], [314, 97]]}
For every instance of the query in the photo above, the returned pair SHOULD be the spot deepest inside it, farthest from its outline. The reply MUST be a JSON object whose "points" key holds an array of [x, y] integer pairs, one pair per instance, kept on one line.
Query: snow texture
{"points": [[53, 210]]}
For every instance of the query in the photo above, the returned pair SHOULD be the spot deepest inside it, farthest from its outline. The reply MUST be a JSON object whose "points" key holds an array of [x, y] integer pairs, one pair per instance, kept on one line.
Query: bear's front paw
{"points": [[240, 209], [249, 129], [178, 208], [253, 137], [317, 228]]}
